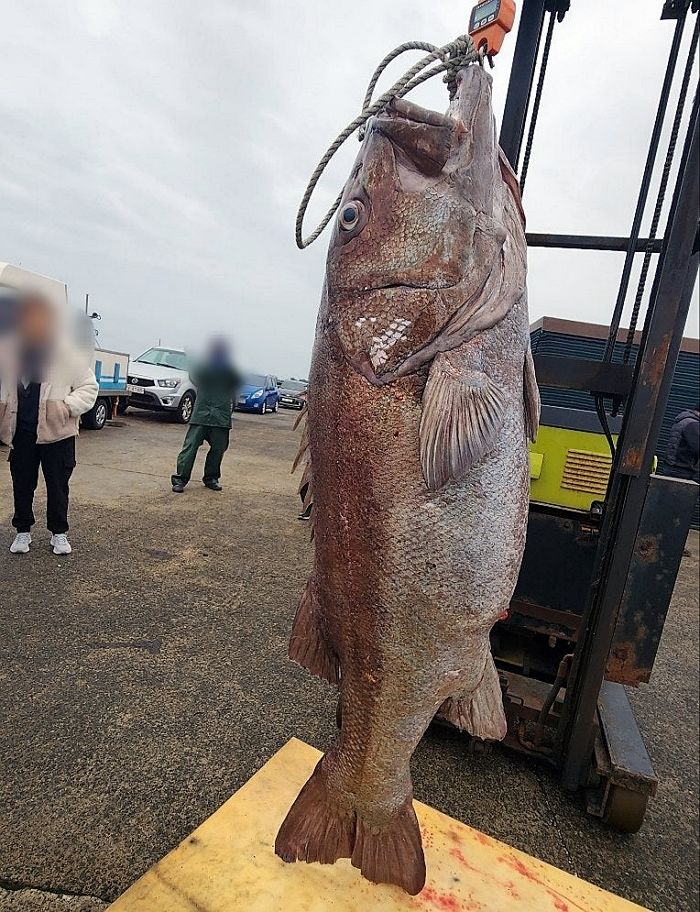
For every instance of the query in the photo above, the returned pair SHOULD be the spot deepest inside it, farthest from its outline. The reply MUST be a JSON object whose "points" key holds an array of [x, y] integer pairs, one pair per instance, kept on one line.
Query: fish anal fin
{"points": [[531, 394], [303, 448], [463, 411], [305, 477], [307, 644], [303, 414], [316, 828], [480, 711], [392, 853]]}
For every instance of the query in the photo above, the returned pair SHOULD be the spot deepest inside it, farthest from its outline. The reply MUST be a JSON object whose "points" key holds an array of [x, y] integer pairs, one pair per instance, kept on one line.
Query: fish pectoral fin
{"points": [[307, 645], [462, 413], [531, 392], [479, 711]]}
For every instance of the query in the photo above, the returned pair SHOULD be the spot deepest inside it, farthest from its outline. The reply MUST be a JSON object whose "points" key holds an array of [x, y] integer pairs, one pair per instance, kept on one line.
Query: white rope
{"points": [[452, 57]]}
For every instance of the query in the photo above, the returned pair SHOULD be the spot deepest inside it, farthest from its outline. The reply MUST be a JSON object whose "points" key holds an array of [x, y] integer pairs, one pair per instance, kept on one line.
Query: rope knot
{"points": [[460, 53]]}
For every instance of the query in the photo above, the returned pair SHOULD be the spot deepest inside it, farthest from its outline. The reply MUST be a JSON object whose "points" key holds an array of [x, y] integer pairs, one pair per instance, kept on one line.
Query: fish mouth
{"points": [[393, 286], [400, 107]]}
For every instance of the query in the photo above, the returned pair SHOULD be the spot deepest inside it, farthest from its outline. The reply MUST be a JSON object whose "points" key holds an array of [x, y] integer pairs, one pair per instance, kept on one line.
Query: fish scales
{"points": [[421, 399]]}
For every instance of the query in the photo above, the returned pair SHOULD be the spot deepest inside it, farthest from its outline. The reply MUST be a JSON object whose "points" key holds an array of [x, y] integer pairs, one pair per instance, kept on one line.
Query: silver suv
{"points": [[159, 381]]}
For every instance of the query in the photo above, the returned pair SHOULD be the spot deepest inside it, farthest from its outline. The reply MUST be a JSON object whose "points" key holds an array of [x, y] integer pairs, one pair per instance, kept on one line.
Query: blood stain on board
{"points": [[446, 902], [560, 904], [509, 886], [458, 856]]}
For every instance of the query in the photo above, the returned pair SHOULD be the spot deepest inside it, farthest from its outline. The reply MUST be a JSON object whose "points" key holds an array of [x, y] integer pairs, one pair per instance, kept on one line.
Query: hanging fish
{"points": [[421, 398]]}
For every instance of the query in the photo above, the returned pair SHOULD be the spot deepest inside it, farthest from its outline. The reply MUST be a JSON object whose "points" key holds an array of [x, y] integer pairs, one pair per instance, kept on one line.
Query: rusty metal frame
{"points": [[661, 339], [620, 553]]}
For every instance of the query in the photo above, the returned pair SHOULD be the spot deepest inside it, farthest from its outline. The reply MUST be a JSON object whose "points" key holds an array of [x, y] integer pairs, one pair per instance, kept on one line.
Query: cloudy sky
{"points": [[153, 153]]}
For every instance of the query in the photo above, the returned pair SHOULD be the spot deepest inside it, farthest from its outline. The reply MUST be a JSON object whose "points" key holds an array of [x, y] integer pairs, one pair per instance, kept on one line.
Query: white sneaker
{"points": [[21, 543], [60, 544]]}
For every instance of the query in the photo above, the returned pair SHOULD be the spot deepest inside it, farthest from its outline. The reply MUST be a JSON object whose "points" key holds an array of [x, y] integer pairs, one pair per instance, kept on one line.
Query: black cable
{"points": [[603, 418], [644, 188], [663, 186], [538, 99]]}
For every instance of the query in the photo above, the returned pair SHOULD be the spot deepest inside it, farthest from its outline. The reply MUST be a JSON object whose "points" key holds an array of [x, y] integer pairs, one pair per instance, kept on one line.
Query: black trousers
{"points": [[57, 461]]}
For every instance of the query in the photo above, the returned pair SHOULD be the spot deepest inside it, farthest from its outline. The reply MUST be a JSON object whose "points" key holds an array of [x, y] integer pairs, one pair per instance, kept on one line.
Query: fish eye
{"points": [[350, 215]]}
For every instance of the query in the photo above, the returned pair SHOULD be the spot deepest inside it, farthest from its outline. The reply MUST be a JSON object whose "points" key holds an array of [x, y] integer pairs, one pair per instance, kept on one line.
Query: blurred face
{"points": [[37, 322], [218, 351]]}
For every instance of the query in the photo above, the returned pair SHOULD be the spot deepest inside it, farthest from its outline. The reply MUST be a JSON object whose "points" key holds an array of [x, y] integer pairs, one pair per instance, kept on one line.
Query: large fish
{"points": [[421, 398]]}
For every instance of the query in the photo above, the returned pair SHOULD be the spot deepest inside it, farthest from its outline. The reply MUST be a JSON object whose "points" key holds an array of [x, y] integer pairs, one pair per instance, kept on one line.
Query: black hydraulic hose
{"points": [[603, 418], [670, 155], [644, 190], [559, 682], [538, 99]]}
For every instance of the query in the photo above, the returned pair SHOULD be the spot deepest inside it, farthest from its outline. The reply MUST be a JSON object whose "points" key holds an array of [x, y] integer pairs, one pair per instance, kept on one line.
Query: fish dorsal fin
{"points": [[462, 414], [531, 394], [511, 181], [303, 447]]}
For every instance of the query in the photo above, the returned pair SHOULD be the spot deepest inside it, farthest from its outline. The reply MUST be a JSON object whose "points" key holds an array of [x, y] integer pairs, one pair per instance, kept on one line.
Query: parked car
{"points": [[258, 393], [290, 393], [159, 381]]}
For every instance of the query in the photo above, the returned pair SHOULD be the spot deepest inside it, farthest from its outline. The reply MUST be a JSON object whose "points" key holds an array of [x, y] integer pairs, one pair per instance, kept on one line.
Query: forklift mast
{"points": [[574, 640]]}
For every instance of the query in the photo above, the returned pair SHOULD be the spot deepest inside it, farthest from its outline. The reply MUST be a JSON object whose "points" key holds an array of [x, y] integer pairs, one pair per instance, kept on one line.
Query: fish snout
{"points": [[422, 140]]}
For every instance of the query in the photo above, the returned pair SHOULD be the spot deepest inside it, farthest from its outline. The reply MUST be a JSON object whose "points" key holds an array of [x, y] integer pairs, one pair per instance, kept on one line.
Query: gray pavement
{"points": [[144, 679]]}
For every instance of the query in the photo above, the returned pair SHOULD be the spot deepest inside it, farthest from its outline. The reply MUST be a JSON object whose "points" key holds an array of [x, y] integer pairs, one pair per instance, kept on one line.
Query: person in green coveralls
{"points": [[217, 381]]}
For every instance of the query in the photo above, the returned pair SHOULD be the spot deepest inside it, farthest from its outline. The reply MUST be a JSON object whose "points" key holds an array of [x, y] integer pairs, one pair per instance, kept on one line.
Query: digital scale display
{"points": [[489, 23], [483, 14]]}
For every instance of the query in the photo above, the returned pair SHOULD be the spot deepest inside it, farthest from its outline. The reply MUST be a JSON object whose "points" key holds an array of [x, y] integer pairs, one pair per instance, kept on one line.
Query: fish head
{"points": [[420, 230]]}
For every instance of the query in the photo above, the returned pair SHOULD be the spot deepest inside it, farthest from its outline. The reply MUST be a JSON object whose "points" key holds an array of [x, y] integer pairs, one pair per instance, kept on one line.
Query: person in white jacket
{"points": [[46, 384]]}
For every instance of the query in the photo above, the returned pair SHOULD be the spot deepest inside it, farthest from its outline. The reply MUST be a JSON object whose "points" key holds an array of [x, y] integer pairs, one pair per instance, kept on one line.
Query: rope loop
{"points": [[448, 59]]}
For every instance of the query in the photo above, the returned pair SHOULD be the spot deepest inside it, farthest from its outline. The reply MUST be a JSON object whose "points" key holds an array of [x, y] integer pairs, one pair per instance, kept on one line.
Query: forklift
{"points": [[606, 534]]}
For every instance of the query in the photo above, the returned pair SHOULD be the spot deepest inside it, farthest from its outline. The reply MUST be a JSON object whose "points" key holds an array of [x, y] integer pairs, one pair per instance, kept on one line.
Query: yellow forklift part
{"points": [[569, 468], [228, 865]]}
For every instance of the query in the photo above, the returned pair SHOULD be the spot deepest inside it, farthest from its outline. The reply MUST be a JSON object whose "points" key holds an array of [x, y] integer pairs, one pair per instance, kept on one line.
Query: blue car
{"points": [[258, 393]]}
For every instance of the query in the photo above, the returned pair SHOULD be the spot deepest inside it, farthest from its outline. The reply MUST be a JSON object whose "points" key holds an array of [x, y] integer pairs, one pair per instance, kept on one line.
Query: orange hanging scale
{"points": [[489, 23]]}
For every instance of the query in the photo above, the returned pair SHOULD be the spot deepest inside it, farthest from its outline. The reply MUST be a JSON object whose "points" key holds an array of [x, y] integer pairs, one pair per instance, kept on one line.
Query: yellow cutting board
{"points": [[228, 864]]}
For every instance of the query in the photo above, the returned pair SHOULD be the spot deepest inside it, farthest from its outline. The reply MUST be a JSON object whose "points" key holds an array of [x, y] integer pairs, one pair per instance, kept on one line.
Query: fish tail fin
{"points": [[480, 711], [307, 645], [316, 828], [392, 853]]}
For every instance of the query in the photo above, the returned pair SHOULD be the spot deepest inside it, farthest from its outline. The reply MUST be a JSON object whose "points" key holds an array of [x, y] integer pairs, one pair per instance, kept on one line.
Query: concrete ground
{"points": [[144, 679]]}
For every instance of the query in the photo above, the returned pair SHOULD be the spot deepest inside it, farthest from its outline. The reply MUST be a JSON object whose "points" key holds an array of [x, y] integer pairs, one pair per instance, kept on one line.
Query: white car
{"points": [[159, 381]]}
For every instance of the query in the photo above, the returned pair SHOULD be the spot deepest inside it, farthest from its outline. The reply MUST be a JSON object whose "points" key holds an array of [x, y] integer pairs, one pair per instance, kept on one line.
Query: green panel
{"points": [[568, 468]]}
